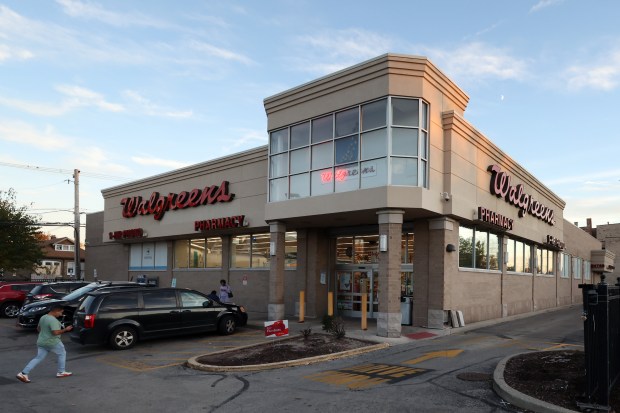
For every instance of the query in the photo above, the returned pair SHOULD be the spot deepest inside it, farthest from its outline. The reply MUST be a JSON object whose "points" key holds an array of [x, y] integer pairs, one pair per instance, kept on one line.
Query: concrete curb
{"points": [[517, 398], [194, 364]]}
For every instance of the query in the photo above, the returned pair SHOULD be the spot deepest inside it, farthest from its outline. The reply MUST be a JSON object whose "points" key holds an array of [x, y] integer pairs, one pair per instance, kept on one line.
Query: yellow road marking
{"points": [[434, 354]]}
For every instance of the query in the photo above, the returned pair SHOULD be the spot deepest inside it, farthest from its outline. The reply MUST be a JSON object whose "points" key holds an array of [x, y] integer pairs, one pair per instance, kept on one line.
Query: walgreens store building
{"points": [[372, 183]]}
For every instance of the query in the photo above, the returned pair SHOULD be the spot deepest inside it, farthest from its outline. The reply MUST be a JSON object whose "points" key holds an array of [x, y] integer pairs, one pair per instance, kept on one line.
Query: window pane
{"points": [[347, 150], [347, 177], [279, 141], [424, 179], [159, 299], [510, 248], [347, 122], [322, 182], [424, 145], [541, 256], [407, 245], [527, 258], [466, 247], [135, 256], [405, 112], [404, 171], [323, 155], [197, 253], [425, 115], [404, 142], [300, 160], [127, 301], [374, 114], [240, 252], [493, 252], [481, 249], [373, 173], [300, 135], [344, 250], [278, 165], [191, 299], [300, 186], [290, 249], [260, 250], [551, 263], [366, 249], [181, 253], [374, 144], [519, 256], [322, 129], [278, 189], [214, 252]]}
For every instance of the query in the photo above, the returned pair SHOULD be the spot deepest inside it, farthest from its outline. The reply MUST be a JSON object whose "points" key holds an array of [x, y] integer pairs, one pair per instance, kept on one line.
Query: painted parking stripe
{"points": [[366, 375]]}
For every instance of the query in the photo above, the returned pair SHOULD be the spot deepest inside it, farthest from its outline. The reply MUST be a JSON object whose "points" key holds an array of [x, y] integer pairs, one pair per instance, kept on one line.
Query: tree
{"points": [[18, 244]]}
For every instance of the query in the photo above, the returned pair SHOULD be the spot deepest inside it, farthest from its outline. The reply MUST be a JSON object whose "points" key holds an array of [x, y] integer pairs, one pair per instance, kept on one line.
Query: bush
{"points": [[306, 333], [328, 321], [337, 328]]}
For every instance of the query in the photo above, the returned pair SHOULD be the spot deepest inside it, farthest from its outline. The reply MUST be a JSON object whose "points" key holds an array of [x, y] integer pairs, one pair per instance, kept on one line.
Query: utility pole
{"points": [[77, 269]]}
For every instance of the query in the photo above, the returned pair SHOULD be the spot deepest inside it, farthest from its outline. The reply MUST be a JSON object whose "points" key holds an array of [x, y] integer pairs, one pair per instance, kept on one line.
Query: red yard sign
{"points": [[278, 328]]}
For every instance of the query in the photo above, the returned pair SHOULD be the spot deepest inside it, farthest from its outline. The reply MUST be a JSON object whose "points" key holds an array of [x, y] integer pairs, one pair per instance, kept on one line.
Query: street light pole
{"points": [[77, 269]]}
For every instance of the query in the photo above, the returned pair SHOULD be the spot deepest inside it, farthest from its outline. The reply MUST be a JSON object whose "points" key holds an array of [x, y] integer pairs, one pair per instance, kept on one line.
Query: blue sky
{"points": [[125, 89]]}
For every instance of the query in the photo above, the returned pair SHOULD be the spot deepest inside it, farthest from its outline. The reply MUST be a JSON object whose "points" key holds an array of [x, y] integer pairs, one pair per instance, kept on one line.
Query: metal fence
{"points": [[601, 311]]}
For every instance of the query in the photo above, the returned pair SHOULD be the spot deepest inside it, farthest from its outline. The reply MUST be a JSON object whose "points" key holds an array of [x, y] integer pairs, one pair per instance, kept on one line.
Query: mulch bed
{"points": [[293, 348], [556, 377]]}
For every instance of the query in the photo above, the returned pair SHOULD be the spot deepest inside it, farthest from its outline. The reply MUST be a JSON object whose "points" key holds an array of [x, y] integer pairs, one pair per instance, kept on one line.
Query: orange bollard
{"points": [[302, 306], [330, 303], [364, 311]]}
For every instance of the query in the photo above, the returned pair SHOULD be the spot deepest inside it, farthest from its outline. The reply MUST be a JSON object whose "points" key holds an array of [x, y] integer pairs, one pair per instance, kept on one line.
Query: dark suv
{"points": [[30, 314], [53, 290], [12, 297], [123, 317]]}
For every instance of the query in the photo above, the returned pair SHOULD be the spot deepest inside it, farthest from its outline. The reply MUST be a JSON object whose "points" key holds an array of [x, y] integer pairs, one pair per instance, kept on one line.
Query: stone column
{"points": [[390, 228], [441, 265], [275, 308]]}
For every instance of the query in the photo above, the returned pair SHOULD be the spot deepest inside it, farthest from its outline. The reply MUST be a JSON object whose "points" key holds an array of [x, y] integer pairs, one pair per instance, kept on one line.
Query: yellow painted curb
{"points": [[194, 364]]}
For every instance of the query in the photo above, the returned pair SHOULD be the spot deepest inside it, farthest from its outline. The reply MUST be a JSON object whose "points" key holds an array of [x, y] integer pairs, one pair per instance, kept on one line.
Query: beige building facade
{"points": [[372, 184]]}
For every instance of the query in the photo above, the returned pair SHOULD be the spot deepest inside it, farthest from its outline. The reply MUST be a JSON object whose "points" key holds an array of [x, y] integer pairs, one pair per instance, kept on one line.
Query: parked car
{"points": [[12, 296], [52, 290], [30, 314], [123, 317]]}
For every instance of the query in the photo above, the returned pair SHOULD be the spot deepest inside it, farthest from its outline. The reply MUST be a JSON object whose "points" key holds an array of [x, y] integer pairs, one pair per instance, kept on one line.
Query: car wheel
{"points": [[123, 338], [10, 310], [227, 325]]}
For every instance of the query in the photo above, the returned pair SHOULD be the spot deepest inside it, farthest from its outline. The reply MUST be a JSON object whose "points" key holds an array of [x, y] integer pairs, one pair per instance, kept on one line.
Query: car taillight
{"points": [[42, 296], [89, 321]]}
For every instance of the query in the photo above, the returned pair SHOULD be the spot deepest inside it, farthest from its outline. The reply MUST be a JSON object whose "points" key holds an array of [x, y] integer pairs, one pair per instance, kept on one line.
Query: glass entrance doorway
{"points": [[351, 285]]}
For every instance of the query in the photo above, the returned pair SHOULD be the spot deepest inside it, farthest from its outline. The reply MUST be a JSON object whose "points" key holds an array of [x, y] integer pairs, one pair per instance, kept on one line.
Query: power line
{"points": [[62, 171]]}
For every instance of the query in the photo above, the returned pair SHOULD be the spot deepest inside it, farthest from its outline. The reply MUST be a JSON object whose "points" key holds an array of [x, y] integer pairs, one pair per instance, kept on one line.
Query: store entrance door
{"points": [[352, 284]]}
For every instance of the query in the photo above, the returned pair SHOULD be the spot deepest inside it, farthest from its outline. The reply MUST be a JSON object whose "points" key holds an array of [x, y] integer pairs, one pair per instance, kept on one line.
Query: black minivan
{"points": [[123, 317]]}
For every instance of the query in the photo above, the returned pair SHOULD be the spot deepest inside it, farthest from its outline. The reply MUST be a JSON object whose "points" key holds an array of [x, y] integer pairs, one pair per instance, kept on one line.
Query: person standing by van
{"points": [[225, 292], [49, 329]]}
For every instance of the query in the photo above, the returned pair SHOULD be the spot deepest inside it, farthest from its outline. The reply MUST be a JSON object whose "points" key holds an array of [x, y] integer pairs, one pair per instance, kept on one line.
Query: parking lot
{"points": [[421, 375]]}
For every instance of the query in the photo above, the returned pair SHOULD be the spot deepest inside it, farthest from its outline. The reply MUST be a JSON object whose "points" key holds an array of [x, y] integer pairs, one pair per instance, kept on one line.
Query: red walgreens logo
{"points": [[278, 328]]}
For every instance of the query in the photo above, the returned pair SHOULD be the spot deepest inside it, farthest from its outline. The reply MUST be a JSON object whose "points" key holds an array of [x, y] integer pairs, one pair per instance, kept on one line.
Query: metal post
{"points": [[330, 303], [302, 306], [77, 269]]}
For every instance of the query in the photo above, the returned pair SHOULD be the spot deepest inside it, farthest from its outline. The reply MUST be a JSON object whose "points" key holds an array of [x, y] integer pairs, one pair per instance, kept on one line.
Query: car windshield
{"points": [[79, 292]]}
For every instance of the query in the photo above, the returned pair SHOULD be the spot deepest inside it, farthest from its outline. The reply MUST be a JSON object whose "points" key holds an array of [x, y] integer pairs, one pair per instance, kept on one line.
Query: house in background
{"points": [[59, 259]]}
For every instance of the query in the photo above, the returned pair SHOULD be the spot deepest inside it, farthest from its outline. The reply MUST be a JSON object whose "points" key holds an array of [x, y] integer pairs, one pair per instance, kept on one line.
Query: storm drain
{"points": [[473, 376]]}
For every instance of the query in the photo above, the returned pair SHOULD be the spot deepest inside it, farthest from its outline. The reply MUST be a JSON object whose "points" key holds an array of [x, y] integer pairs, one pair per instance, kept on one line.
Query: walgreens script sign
{"points": [[278, 328]]}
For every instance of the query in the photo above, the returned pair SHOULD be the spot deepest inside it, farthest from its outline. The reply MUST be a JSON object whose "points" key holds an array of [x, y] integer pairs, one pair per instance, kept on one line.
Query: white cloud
{"points": [[333, 50], [479, 60], [248, 138], [604, 76], [80, 97], [145, 106], [598, 177], [148, 160], [220, 53], [542, 4], [75, 97], [10, 53], [94, 11], [26, 134]]}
